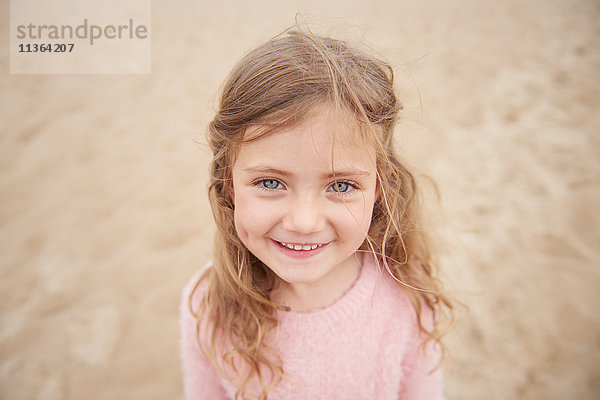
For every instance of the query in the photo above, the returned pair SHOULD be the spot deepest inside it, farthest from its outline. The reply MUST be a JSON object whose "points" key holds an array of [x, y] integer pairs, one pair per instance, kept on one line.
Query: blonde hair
{"points": [[274, 86]]}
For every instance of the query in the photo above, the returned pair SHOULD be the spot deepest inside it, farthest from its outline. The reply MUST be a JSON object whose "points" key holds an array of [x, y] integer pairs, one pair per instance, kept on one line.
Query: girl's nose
{"points": [[305, 215]]}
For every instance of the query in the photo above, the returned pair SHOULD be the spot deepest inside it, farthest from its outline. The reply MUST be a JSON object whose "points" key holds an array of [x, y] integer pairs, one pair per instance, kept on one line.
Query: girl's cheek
{"points": [[256, 209], [356, 210]]}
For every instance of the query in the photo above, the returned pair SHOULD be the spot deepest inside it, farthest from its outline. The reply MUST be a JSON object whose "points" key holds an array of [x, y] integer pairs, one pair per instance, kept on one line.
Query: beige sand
{"points": [[103, 213]]}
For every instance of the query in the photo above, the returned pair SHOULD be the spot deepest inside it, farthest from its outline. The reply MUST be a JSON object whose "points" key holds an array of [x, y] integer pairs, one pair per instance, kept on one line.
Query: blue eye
{"points": [[341, 187], [270, 184]]}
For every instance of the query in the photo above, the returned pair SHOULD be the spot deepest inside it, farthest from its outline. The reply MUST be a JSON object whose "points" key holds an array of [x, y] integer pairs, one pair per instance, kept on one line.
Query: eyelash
{"points": [[352, 186], [260, 184]]}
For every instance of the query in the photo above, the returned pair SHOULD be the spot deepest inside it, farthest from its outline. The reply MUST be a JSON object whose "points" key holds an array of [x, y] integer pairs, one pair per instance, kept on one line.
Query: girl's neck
{"points": [[307, 297]]}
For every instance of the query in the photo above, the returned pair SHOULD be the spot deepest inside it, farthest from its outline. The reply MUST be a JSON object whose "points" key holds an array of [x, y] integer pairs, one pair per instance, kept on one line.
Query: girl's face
{"points": [[291, 212]]}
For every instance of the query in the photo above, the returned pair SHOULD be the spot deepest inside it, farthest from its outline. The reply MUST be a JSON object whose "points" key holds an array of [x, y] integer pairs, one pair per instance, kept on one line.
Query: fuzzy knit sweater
{"points": [[364, 346]]}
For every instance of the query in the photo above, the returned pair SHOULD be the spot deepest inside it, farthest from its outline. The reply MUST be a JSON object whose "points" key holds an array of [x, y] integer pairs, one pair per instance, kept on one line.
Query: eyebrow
{"points": [[264, 169]]}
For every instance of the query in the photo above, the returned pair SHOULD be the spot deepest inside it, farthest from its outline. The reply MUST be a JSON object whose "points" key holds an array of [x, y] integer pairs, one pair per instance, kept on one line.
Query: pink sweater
{"points": [[364, 346]]}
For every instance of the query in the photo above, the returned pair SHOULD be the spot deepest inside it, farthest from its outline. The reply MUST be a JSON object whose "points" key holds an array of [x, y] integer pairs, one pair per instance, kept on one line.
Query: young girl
{"points": [[322, 286]]}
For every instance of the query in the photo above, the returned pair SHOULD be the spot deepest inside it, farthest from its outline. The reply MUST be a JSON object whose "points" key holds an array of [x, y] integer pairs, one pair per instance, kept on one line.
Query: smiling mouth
{"points": [[300, 247]]}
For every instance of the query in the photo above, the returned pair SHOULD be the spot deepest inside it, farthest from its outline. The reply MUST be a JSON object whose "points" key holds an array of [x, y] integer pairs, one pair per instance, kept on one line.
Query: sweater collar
{"points": [[358, 296]]}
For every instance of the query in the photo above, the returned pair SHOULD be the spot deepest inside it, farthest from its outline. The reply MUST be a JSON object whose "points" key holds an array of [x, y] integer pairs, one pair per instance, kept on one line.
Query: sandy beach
{"points": [[104, 215]]}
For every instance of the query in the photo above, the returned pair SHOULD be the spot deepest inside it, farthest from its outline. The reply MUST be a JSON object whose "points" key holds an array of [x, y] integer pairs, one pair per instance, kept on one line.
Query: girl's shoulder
{"points": [[386, 286], [391, 298], [194, 290]]}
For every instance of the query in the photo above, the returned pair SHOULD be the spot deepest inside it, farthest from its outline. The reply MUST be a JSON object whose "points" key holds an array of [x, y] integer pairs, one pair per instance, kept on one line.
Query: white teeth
{"points": [[299, 247]]}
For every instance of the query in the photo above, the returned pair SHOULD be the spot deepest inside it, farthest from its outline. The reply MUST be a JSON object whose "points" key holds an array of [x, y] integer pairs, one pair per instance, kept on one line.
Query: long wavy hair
{"points": [[276, 86]]}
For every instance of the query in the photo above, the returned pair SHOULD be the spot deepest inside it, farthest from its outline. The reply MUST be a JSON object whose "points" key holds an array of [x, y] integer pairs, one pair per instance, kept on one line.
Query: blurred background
{"points": [[104, 216]]}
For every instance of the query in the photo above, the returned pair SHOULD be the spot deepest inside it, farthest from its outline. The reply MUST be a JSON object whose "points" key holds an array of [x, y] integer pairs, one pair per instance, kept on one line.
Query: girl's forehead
{"points": [[324, 123], [323, 138]]}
